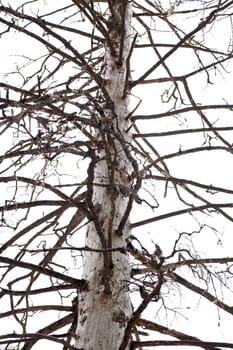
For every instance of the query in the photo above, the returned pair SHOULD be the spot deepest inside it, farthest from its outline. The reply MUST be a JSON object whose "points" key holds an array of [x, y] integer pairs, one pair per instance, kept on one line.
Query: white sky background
{"points": [[207, 324], [165, 232]]}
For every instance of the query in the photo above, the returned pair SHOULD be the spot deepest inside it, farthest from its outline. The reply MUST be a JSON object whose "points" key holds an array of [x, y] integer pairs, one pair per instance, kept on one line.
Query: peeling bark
{"points": [[105, 308]]}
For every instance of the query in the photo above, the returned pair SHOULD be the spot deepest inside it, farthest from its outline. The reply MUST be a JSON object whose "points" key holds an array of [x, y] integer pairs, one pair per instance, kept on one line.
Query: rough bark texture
{"points": [[105, 307]]}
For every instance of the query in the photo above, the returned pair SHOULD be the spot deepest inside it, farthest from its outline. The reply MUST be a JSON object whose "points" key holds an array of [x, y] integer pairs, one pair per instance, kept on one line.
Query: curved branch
{"points": [[78, 283], [204, 293], [215, 206]]}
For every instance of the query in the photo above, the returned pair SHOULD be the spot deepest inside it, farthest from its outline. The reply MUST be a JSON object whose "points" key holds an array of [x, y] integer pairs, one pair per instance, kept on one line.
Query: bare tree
{"points": [[116, 191]]}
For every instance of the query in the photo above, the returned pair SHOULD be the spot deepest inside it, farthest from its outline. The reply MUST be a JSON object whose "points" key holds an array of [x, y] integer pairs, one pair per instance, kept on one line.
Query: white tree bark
{"points": [[105, 308]]}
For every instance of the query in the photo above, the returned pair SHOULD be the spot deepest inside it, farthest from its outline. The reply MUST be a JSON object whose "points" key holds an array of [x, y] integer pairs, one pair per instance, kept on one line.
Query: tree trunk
{"points": [[104, 308]]}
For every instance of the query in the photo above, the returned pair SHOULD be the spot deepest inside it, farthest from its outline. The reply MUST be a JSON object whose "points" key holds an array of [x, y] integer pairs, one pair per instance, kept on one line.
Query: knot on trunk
{"points": [[120, 317]]}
